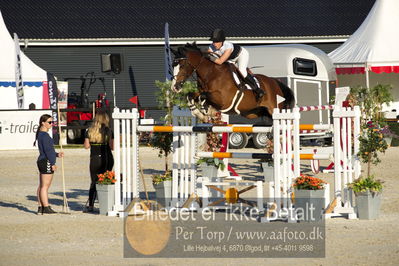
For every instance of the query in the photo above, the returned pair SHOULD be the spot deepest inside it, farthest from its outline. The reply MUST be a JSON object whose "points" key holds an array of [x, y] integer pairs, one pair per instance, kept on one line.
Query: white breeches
{"points": [[242, 61]]}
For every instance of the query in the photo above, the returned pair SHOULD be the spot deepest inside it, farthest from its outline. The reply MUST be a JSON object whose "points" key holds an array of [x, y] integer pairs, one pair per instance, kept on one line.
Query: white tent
{"points": [[371, 55], [34, 78]]}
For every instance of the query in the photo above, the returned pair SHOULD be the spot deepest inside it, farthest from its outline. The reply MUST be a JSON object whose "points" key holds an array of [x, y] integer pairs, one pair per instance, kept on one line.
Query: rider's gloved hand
{"points": [[210, 57]]}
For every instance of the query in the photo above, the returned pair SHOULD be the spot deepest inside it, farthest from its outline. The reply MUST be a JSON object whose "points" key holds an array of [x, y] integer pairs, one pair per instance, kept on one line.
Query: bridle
{"points": [[178, 60]]}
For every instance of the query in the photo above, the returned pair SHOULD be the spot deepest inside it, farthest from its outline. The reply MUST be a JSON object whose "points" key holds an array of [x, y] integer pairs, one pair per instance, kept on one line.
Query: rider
{"points": [[227, 51]]}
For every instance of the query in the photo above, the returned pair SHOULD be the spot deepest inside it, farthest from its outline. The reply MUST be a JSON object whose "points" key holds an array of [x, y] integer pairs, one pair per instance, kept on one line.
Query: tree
{"points": [[163, 140], [166, 95], [371, 101]]}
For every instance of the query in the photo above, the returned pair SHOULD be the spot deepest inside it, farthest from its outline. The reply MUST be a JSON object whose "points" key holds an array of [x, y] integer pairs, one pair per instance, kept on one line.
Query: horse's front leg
{"points": [[203, 104], [211, 111], [192, 105]]}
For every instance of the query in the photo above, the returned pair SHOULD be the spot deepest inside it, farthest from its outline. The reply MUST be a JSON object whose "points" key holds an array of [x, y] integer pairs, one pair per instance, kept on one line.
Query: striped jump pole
{"points": [[223, 129], [313, 131], [315, 108], [205, 129], [315, 127], [319, 109], [267, 156]]}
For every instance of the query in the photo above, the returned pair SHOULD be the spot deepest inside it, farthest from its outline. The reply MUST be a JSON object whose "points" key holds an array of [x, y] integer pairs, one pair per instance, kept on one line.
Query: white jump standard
{"points": [[287, 155]]}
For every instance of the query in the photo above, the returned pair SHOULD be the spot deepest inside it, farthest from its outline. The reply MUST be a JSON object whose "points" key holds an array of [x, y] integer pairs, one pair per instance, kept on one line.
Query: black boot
{"points": [[254, 85], [88, 209], [48, 210], [39, 210]]}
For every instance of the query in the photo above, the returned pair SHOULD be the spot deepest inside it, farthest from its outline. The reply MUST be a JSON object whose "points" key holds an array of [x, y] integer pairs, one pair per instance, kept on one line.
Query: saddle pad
{"points": [[237, 81]]}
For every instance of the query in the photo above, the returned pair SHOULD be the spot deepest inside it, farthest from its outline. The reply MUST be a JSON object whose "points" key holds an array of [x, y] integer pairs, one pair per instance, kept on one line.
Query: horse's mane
{"points": [[190, 47], [182, 51]]}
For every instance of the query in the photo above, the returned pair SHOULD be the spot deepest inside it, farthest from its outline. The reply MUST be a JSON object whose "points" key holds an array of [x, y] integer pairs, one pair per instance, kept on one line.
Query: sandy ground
{"points": [[91, 239]]}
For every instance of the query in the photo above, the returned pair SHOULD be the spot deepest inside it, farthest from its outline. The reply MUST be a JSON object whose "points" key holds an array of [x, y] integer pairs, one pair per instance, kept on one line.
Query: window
{"points": [[304, 67]]}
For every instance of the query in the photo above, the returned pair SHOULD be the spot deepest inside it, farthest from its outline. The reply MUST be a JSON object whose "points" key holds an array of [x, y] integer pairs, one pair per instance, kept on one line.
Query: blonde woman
{"points": [[100, 140]]}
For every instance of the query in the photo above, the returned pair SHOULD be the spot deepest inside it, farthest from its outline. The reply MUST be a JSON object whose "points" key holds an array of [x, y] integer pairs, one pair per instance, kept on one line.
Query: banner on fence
{"points": [[18, 128]]}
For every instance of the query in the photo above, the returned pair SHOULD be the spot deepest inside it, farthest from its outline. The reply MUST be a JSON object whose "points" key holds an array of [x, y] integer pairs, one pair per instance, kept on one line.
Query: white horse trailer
{"points": [[307, 70]]}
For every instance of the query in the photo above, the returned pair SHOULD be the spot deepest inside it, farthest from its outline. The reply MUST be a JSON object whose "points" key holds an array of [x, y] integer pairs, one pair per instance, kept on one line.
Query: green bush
{"points": [[218, 163], [364, 184]]}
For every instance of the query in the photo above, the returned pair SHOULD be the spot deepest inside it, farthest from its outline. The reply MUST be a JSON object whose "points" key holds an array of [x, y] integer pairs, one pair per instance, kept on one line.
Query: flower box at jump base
{"points": [[106, 191]]}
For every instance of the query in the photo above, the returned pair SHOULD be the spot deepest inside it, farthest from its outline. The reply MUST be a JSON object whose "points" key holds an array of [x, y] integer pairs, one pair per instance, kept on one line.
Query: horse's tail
{"points": [[289, 102]]}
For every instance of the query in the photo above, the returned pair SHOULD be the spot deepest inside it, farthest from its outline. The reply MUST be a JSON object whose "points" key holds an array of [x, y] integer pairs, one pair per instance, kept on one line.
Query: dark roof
{"points": [[133, 19]]}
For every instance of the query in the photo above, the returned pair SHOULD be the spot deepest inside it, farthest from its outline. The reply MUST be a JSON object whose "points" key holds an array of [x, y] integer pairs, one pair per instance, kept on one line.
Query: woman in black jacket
{"points": [[100, 140]]}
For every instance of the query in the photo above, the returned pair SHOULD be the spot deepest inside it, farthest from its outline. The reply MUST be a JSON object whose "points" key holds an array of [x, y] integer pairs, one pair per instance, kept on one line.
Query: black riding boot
{"points": [[252, 82]]}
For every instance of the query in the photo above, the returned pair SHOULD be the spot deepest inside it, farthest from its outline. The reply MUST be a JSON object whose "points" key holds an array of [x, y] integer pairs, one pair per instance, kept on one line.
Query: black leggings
{"points": [[98, 165]]}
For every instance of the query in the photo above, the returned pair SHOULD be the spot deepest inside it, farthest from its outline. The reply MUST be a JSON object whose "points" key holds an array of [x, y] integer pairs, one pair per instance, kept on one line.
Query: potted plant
{"points": [[163, 140], [163, 187], [106, 191], [367, 189], [372, 143], [210, 166], [309, 198], [162, 182], [368, 196]]}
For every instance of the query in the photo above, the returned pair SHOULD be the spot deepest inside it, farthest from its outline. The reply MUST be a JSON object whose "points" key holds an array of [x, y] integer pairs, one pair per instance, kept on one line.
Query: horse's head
{"points": [[187, 60]]}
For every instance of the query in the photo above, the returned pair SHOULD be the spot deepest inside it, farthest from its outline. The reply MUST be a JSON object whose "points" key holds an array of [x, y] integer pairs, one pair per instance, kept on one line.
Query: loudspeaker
{"points": [[111, 62]]}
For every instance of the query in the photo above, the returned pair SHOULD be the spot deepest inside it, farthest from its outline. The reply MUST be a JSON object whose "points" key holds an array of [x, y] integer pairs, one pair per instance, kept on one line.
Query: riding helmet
{"points": [[218, 36]]}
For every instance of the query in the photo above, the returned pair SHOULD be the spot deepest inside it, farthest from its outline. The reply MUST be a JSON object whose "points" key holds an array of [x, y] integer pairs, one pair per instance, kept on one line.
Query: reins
{"points": [[194, 67]]}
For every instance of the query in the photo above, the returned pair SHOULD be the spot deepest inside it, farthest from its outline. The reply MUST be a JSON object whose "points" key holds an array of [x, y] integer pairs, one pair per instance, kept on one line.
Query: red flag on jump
{"points": [[135, 100]]}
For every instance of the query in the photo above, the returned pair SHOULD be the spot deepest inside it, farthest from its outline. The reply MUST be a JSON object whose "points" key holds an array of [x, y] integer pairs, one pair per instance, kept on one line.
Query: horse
{"points": [[219, 87]]}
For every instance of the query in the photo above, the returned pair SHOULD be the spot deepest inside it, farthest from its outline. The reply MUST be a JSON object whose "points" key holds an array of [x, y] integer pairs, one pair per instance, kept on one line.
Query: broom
{"points": [[65, 207]]}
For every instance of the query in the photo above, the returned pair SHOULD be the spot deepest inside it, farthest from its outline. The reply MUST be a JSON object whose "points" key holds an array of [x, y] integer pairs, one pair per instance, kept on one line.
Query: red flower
{"points": [[308, 182], [106, 178]]}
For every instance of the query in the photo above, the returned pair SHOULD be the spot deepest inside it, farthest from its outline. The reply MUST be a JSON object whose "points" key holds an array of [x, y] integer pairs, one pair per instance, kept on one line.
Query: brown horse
{"points": [[217, 84]]}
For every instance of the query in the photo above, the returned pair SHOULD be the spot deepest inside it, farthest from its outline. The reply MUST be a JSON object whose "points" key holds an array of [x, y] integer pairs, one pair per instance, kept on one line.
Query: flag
{"points": [[168, 58], [53, 98], [135, 100], [18, 74], [279, 99]]}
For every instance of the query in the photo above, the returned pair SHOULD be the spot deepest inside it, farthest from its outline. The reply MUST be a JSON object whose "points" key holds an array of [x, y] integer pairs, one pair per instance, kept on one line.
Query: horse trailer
{"points": [[307, 70]]}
